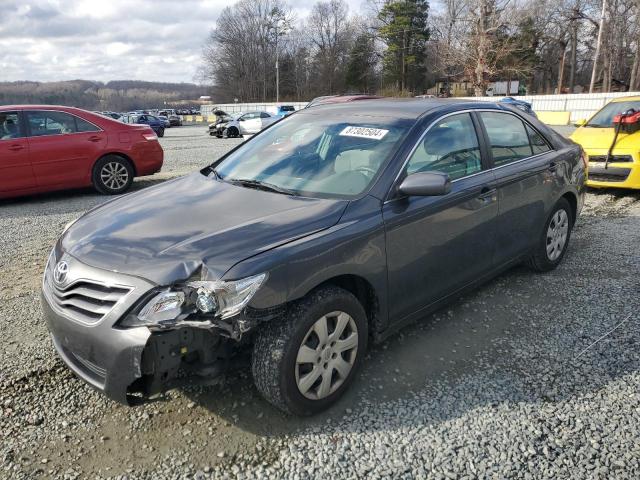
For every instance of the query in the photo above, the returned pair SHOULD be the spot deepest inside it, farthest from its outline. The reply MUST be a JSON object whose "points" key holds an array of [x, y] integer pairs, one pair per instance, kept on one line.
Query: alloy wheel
{"points": [[327, 355], [557, 234], [114, 175]]}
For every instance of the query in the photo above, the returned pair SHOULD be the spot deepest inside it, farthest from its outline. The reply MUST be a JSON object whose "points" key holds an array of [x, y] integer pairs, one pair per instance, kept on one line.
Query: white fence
{"points": [[248, 107], [581, 105]]}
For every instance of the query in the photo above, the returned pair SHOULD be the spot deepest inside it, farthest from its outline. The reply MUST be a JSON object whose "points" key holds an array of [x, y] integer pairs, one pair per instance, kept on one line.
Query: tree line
{"points": [[404, 47], [119, 95]]}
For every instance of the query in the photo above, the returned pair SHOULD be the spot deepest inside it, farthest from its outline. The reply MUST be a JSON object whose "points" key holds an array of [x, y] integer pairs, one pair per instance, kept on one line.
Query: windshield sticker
{"points": [[364, 132]]}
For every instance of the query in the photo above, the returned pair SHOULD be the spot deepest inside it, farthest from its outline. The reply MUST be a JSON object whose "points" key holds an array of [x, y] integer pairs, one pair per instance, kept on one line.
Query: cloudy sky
{"points": [[156, 40]]}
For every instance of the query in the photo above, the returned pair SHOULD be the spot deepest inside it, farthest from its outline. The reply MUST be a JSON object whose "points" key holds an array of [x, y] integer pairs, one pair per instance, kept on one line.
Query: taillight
{"points": [[150, 136]]}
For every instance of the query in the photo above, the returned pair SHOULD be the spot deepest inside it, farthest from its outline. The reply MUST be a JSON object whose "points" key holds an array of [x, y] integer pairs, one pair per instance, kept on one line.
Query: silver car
{"points": [[248, 123]]}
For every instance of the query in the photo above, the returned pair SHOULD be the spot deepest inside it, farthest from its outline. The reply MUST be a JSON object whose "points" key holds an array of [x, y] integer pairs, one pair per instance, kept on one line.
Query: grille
{"points": [[85, 300], [612, 158], [607, 177]]}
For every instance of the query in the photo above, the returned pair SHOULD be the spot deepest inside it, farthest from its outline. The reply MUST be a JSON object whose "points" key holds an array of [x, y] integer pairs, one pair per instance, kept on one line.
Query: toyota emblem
{"points": [[60, 272]]}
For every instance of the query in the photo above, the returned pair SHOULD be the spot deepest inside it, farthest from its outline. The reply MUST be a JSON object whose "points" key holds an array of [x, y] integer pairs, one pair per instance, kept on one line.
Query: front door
{"points": [[436, 245], [16, 172]]}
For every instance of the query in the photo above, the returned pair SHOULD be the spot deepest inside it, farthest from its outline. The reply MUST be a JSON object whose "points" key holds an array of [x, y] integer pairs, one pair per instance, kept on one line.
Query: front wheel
{"points": [[160, 132], [233, 132], [304, 362], [552, 244], [112, 175]]}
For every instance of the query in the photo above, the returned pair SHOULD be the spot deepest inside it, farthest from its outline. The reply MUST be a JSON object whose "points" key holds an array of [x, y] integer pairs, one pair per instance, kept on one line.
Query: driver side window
{"points": [[450, 146]]}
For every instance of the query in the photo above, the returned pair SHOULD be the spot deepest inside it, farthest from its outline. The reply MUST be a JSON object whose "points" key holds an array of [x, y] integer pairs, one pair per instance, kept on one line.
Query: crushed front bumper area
{"points": [[129, 365]]}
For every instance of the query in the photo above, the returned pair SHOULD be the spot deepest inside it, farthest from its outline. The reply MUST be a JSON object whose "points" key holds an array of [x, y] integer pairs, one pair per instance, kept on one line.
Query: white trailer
{"points": [[501, 88]]}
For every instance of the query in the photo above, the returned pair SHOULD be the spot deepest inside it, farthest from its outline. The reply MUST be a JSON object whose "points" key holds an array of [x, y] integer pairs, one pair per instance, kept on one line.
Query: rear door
{"points": [[524, 169], [437, 245], [250, 123], [266, 120], [63, 147], [16, 172]]}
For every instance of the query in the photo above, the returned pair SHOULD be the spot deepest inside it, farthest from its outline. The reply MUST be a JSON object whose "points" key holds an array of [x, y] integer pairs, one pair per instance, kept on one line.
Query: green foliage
{"points": [[404, 30], [360, 67], [523, 46]]}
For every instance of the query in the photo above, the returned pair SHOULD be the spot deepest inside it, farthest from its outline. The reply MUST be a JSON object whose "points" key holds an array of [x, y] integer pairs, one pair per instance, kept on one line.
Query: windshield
{"points": [[317, 154], [604, 118]]}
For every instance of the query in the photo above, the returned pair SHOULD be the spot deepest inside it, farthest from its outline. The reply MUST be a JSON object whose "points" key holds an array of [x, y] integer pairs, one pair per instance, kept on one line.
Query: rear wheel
{"points": [[553, 243], [161, 132], [305, 361], [112, 175]]}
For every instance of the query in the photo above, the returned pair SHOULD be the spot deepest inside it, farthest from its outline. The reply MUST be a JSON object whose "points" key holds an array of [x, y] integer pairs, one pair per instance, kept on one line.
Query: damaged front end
{"points": [[131, 345], [192, 353], [196, 327]]}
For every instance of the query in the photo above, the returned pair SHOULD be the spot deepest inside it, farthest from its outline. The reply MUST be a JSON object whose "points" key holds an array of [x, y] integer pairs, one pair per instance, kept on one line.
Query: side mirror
{"points": [[425, 184], [581, 122]]}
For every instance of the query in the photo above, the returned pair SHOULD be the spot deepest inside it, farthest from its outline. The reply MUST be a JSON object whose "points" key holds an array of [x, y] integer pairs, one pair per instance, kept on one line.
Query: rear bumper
{"points": [[149, 159]]}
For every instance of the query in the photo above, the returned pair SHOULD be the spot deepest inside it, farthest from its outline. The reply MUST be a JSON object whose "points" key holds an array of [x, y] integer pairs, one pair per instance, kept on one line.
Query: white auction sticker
{"points": [[364, 132]]}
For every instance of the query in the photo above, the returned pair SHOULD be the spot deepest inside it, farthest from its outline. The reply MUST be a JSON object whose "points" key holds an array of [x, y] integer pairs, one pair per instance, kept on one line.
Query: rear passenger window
{"points": [[450, 146], [84, 126], [50, 123], [538, 144], [10, 126], [507, 137]]}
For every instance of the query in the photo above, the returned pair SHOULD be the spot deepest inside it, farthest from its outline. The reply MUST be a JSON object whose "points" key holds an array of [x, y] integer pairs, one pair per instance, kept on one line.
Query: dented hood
{"points": [[165, 233]]}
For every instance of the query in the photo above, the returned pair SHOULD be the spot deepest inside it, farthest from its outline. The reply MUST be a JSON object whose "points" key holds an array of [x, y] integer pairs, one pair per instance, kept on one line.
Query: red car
{"points": [[45, 148]]}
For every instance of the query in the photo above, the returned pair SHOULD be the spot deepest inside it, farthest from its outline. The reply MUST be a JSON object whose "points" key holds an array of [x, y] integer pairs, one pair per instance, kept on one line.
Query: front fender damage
{"points": [[193, 352]]}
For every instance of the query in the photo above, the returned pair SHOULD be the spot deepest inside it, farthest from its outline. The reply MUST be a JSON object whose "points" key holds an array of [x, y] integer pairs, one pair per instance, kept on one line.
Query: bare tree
{"points": [[331, 35]]}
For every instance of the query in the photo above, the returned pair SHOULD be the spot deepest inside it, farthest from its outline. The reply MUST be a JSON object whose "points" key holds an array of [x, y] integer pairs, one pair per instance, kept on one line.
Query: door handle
{"points": [[94, 138], [487, 195], [487, 192], [552, 167], [15, 148]]}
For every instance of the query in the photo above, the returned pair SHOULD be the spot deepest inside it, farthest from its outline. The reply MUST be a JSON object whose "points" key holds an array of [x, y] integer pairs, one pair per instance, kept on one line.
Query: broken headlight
{"points": [[196, 300]]}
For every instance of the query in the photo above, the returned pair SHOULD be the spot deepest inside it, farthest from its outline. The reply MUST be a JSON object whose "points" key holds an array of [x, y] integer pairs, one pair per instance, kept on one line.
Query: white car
{"points": [[245, 124]]}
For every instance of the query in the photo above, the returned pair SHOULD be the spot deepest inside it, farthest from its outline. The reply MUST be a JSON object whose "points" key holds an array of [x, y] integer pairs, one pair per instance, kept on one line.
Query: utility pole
{"points": [[277, 69], [598, 44]]}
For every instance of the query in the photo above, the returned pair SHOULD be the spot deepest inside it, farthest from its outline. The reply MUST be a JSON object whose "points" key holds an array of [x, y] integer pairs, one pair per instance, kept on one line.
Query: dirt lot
{"points": [[532, 376]]}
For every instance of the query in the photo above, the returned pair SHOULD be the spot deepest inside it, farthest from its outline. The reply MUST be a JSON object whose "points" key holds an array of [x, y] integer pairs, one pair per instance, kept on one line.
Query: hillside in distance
{"points": [[117, 95]]}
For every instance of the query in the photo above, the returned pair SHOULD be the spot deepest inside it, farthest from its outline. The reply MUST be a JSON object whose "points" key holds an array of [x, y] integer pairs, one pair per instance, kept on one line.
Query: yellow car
{"points": [[596, 137]]}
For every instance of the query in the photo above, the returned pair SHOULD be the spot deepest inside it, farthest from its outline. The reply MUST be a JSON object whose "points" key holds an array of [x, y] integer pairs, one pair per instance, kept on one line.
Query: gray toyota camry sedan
{"points": [[325, 232]]}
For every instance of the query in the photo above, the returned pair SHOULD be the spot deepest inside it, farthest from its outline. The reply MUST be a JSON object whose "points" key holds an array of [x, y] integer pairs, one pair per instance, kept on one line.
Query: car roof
{"points": [[43, 107], [410, 108]]}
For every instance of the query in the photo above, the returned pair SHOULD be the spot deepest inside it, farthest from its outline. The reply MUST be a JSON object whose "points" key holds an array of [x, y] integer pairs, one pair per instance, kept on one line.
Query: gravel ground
{"points": [[532, 376]]}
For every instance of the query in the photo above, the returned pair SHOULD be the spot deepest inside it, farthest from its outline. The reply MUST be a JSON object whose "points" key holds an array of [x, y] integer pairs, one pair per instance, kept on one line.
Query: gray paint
{"points": [[414, 252]]}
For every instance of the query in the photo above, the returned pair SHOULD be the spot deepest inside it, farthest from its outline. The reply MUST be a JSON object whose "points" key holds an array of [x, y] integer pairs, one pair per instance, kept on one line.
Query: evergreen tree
{"points": [[362, 59], [404, 30]]}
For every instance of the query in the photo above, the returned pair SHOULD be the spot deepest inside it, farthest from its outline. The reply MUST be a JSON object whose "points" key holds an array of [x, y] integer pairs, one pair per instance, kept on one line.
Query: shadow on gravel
{"points": [[67, 201], [522, 327]]}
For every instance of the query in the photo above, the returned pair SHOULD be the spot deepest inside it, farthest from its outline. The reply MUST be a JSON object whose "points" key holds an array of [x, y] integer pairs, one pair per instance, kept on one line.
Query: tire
{"points": [[105, 183], [277, 373], [161, 132], [233, 132], [548, 253]]}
